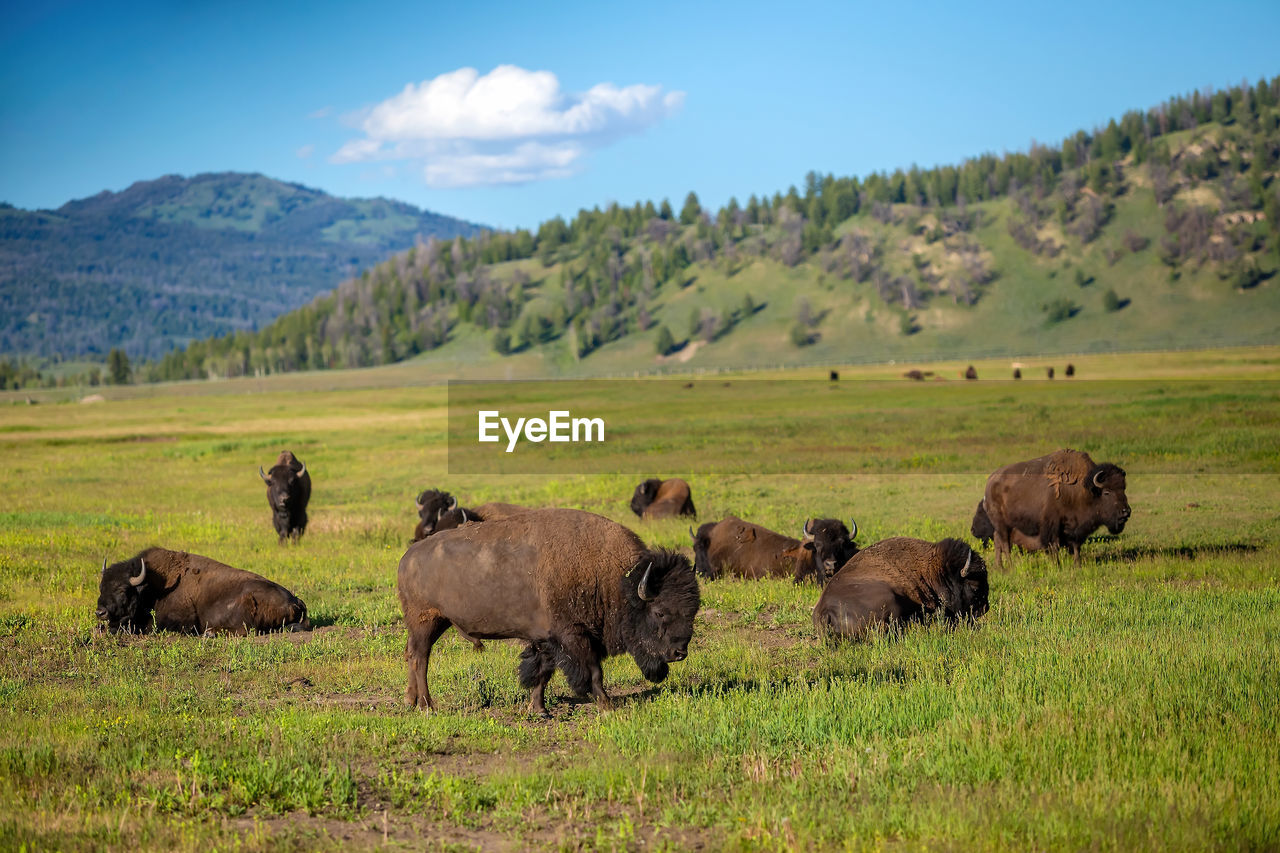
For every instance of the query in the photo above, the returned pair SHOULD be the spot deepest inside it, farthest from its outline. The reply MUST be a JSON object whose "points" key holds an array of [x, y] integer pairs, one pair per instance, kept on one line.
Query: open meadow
{"points": [[1132, 703]]}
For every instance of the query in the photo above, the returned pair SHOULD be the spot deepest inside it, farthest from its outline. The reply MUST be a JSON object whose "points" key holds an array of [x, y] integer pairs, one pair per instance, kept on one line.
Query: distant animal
{"points": [[163, 590], [656, 498], [981, 527], [1054, 501], [1071, 370], [1017, 373], [438, 510], [738, 548], [898, 581], [288, 492], [575, 586], [834, 376], [1049, 372], [971, 373], [914, 374]]}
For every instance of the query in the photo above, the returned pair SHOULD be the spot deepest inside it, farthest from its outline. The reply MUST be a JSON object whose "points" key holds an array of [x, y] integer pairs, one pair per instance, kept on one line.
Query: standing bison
{"points": [[1054, 501], [439, 510], [288, 491], [741, 549], [898, 581], [575, 586], [175, 591], [656, 498]]}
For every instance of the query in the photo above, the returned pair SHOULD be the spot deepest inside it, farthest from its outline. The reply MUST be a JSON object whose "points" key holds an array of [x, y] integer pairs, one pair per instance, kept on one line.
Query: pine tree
{"points": [[664, 343], [119, 371], [692, 209]]}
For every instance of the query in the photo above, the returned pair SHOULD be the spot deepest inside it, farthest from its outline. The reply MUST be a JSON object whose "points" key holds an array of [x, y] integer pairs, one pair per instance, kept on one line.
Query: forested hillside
{"points": [[177, 259]]}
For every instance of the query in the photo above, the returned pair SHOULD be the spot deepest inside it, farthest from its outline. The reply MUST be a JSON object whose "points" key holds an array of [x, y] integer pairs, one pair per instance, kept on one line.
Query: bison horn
{"points": [[303, 471], [808, 534], [104, 565], [1096, 484], [643, 589], [418, 503], [464, 517], [453, 504], [262, 475], [853, 530], [141, 577], [964, 573], [692, 535]]}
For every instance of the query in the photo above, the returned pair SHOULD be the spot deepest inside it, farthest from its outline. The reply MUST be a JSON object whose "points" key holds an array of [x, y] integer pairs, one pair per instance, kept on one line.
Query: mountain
{"points": [[177, 259]]}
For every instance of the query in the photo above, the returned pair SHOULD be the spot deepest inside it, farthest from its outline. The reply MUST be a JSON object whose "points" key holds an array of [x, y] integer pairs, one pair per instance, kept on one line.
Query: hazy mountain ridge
{"points": [[174, 259]]}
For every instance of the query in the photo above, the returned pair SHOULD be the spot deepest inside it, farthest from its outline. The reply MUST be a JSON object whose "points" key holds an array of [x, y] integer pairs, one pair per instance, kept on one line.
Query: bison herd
{"points": [[577, 588]]}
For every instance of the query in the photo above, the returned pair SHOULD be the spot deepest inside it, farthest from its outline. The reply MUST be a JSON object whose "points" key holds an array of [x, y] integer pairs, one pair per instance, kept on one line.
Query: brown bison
{"points": [[1017, 373], [981, 527], [739, 548], [897, 581], [439, 510], [971, 373], [175, 591], [1070, 371], [288, 492], [1048, 371], [575, 586], [656, 498], [1054, 501]]}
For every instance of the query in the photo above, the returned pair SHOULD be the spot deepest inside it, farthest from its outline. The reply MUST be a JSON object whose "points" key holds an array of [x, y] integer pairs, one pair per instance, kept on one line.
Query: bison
{"points": [[1054, 501], [1070, 371], [741, 549], [1048, 371], [168, 590], [898, 581], [970, 373], [439, 510], [1017, 373], [575, 586], [981, 527], [288, 491], [656, 498]]}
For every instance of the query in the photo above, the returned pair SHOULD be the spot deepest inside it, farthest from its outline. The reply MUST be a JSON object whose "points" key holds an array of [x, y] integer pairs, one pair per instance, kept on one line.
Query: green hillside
{"points": [[178, 259]]}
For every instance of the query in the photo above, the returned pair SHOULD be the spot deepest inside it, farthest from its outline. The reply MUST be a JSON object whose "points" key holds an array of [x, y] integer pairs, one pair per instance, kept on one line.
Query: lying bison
{"points": [[175, 591], [288, 491], [439, 510], [902, 580], [656, 498], [739, 548], [1054, 501], [575, 586]]}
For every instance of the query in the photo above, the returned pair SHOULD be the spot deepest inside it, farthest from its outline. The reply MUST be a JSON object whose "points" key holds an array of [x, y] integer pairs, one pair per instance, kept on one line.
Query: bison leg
{"points": [[536, 668], [580, 663], [422, 636]]}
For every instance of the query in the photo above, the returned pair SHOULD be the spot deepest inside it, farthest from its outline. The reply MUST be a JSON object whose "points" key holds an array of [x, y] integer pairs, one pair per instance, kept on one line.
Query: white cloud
{"points": [[305, 151], [507, 126]]}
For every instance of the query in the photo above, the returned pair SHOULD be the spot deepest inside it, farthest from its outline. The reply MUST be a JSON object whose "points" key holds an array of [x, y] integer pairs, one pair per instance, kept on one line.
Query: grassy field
{"points": [[1130, 704]]}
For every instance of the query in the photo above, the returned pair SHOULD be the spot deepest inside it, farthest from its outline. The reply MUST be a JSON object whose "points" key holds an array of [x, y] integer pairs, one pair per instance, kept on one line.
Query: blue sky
{"points": [[578, 104]]}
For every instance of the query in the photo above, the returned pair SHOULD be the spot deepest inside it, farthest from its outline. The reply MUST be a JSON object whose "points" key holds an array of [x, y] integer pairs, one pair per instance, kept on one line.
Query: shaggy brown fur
{"points": [[738, 548], [564, 581], [1054, 501], [901, 580], [194, 595], [656, 498]]}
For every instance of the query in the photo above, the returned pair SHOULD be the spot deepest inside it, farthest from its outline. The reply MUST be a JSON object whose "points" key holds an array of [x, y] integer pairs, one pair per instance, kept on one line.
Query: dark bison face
{"points": [[662, 598], [1107, 483], [284, 485], [646, 493], [981, 527], [832, 545], [123, 600], [432, 504], [966, 582]]}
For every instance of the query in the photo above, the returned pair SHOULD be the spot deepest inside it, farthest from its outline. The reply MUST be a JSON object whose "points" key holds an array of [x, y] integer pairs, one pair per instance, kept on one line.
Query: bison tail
{"points": [[701, 557]]}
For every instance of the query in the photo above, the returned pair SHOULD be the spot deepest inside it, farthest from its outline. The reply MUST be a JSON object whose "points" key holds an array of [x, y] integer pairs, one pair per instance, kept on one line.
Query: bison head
{"points": [[661, 595], [831, 544], [124, 597], [646, 493], [1107, 484], [964, 580], [432, 504], [280, 480]]}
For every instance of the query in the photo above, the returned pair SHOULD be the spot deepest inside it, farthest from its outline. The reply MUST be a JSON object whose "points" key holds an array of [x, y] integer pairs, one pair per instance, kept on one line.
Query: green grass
{"points": [[1130, 704]]}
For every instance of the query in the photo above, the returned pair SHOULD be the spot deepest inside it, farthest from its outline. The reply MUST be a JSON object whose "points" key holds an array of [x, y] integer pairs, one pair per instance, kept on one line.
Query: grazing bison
{"points": [[914, 374], [834, 376], [1017, 373], [739, 548], [970, 373], [1054, 501], [1049, 372], [656, 498], [288, 491], [575, 586], [439, 510], [897, 581], [175, 591], [1070, 371]]}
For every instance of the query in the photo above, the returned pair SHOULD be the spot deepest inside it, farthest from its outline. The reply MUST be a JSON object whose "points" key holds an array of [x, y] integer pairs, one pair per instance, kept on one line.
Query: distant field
{"points": [[1131, 704]]}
